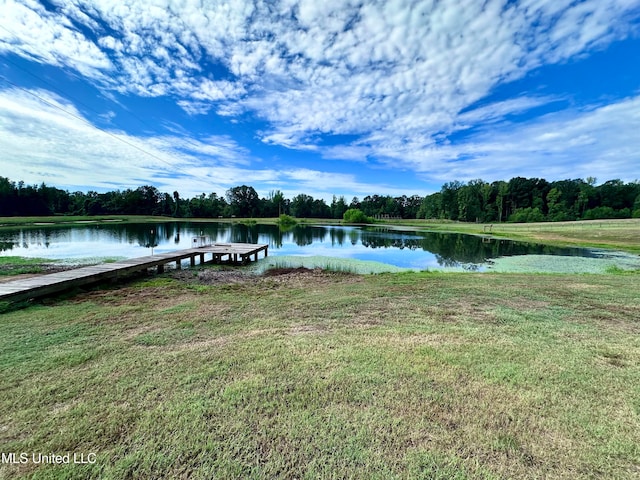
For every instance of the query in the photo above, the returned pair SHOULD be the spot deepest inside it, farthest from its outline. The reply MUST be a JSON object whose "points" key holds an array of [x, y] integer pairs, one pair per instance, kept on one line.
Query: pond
{"points": [[402, 249]]}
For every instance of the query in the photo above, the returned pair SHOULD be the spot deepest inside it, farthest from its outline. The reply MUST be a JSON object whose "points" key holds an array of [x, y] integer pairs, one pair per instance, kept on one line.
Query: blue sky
{"points": [[319, 97]]}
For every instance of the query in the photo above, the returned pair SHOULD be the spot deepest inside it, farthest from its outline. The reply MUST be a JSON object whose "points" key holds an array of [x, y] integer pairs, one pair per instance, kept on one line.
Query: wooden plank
{"points": [[48, 284]]}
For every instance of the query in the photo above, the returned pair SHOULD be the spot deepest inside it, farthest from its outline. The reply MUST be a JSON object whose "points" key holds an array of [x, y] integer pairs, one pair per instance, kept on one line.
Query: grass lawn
{"points": [[311, 375], [621, 234], [66, 220], [10, 266]]}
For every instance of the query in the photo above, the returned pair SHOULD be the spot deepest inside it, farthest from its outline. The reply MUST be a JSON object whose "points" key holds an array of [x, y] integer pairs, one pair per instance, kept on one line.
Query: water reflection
{"points": [[401, 248]]}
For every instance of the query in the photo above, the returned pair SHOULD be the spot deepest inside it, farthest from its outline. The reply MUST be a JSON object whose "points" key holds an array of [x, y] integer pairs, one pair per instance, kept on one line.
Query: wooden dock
{"points": [[43, 285]]}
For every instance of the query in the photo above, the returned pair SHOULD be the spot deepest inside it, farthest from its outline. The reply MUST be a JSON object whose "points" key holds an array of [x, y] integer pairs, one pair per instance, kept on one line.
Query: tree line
{"points": [[518, 200], [533, 200]]}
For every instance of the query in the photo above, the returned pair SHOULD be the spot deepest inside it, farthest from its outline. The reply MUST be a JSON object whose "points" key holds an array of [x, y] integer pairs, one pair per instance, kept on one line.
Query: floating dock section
{"points": [[43, 285]]}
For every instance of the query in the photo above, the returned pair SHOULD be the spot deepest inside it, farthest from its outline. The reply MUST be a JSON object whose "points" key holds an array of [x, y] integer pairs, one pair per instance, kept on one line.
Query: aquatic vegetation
{"points": [[604, 263], [326, 263], [86, 260]]}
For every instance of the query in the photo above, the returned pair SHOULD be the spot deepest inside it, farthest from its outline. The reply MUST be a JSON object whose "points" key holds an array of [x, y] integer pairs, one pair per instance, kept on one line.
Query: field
{"points": [[66, 220], [615, 234], [315, 374]]}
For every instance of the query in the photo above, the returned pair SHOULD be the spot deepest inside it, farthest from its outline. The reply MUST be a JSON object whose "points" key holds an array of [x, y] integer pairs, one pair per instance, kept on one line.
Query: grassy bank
{"points": [[330, 376], [62, 220], [612, 234], [10, 266]]}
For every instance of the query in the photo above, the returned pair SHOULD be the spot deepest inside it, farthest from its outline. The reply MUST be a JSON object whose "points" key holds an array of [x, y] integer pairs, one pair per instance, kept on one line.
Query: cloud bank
{"points": [[399, 77]]}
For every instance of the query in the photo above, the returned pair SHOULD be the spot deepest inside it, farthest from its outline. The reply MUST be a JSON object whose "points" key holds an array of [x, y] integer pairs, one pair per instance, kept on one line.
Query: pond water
{"points": [[386, 246]]}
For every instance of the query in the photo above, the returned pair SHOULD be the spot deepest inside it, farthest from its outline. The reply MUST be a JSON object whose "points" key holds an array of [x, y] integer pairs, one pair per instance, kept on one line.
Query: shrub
{"points": [[355, 215], [286, 220], [606, 212], [527, 215]]}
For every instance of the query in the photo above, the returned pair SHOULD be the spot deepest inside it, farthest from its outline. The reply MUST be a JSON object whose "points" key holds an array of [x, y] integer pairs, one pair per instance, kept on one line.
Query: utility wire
{"points": [[79, 102], [51, 104]]}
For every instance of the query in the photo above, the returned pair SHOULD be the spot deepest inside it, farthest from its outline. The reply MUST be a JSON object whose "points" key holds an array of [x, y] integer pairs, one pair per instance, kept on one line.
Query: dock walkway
{"points": [[42, 285]]}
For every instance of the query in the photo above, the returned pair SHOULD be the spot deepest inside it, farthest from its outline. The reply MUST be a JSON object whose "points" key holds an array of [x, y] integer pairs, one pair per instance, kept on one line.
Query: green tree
{"points": [[176, 200], [276, 199], [553, 205], [502, 189], [431, 206], [243, 201], [636, 207], [302, 206], [450, 204], [338, 207]]}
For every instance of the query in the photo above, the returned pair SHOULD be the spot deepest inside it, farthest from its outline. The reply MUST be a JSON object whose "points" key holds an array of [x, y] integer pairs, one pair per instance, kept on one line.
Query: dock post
{"points": [[192, 259], [160, 268], [201, 258], [178, 265]]}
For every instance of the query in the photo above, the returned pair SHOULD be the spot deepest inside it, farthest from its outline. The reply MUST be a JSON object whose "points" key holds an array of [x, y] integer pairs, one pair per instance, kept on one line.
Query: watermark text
{"points": [[18, 458]]}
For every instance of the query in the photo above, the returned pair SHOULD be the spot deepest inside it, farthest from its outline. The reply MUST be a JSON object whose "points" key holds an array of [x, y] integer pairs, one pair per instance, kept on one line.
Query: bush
{"points": [[355, 215], [606, 212], [527, 215], [286, 220]]}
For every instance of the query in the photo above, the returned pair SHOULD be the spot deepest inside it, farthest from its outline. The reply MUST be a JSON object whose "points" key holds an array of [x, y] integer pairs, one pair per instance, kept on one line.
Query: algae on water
{"points": [[601, 262]]}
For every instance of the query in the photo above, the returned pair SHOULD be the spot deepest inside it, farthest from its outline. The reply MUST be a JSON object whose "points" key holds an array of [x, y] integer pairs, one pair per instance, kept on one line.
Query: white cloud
{"points": [[395, 66], [194, 108], [324, 185], [497, 111], [395, 73], [44, 138], [28, 30], [601, 142]]}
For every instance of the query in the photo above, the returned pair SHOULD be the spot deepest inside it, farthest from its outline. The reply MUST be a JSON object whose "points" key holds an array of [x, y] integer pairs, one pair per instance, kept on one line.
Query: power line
{"points": [[51, 104], [79, 102]]}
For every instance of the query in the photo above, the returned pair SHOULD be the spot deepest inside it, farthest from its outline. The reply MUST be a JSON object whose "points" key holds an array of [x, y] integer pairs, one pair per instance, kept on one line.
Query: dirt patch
{"points": [[272, 276], [316, 276], [273, 272], [213, 276]]}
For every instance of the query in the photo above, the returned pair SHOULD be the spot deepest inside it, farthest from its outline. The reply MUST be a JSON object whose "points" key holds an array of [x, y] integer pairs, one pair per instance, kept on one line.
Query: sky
{"points": [[352, 98]]}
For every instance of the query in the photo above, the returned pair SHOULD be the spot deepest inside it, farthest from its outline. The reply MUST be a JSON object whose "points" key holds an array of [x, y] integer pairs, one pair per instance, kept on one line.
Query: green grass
{"points": [[21, 265], [412, 375], [12, 222], [612, 234], [23, 261], [12, 265]]}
